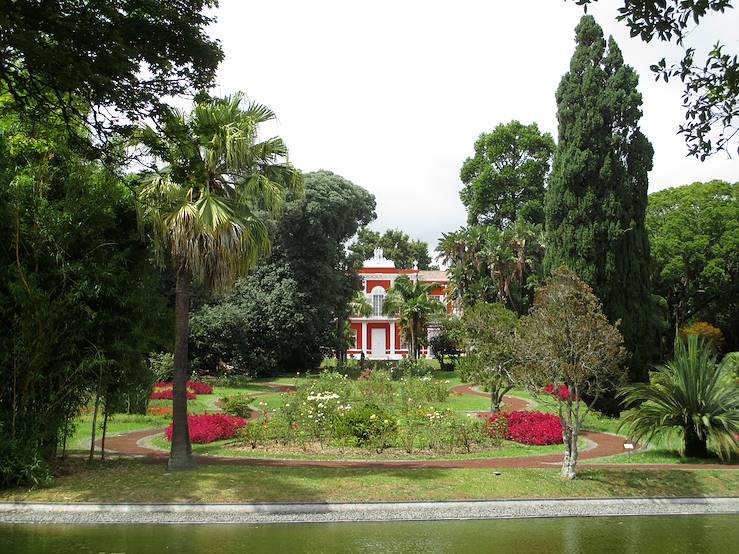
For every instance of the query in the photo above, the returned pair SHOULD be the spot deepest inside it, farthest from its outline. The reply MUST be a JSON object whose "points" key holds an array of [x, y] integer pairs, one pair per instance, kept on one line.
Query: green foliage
{"points": [[446, 346], [412, 303], [288, 312], [597, 195], [237, 405], [492, 265], [694, 236], [692, 395], [79, 301], [396, 245], [81, 63], [567, 340], [489, 331], [506, 176], [366, 425]]}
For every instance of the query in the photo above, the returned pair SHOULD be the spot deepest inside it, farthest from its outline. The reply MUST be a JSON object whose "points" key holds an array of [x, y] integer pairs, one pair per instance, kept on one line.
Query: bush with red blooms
{"points": [[167, 394], [163, 391], [535, 428], [211, 427], [198, 387], [563, 393]]}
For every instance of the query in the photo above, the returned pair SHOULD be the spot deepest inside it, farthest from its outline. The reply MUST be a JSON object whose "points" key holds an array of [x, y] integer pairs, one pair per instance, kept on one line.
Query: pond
{"points": [[658, 534]]}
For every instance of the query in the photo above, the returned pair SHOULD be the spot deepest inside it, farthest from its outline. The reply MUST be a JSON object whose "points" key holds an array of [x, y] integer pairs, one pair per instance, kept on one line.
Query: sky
{"points": [[393, 94]]}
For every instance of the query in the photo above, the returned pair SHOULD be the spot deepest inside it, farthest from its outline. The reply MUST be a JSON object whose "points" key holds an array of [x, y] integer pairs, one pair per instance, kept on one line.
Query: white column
{"points": [[364, 337], [392, 338]]}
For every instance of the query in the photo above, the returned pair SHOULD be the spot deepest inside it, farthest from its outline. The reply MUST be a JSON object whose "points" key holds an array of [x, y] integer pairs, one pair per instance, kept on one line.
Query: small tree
{"points": [[712, 336], [488, 341], [566, 341], [447, 344]]}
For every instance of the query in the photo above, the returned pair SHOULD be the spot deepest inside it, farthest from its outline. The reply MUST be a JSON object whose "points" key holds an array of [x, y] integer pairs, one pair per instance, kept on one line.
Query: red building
{"points": [[378, 336]]}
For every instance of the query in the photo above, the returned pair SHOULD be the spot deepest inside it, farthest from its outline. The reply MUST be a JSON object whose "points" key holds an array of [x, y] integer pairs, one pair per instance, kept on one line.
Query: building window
{"points": [[355, 340], [378, 299]]}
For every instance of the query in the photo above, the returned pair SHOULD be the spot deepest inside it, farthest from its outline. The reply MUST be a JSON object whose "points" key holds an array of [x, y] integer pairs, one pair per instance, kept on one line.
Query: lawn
{"points": [[134, 481]]}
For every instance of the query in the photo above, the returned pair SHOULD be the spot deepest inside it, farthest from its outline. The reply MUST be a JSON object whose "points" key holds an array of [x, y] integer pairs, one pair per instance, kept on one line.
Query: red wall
{"points": [[358, 328], [372, 283]]}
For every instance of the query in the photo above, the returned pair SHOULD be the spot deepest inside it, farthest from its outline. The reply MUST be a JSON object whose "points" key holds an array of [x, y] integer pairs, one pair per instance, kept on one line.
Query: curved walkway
{"points": [[606, 444]]}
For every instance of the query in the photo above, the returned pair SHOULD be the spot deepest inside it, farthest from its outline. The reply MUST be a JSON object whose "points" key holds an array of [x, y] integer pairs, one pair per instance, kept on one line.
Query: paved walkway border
{"points": [[81, 513]]}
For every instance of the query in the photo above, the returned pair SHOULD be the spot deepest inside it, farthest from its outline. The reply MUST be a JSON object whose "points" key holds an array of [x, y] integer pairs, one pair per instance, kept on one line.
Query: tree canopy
{"points": [[597, 196], [506, 177], [694, 235], [104, 64], [396, 244]]}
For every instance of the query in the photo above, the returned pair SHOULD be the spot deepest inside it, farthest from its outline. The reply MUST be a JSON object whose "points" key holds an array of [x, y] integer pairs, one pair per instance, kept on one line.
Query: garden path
{"points": [[605, 444]]}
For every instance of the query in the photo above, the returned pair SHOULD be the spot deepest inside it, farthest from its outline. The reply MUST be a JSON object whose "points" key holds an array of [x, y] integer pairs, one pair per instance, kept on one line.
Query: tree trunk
{"points": [[569, 436], [414, 354], [180, 454], [95, 415], [105, 430], [695, 445]]}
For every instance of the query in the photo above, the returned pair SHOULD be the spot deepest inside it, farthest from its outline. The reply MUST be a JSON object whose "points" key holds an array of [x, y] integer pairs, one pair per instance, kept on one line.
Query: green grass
{"points": [[119, 423], [134, 481], [229, 447], [656, 456]]}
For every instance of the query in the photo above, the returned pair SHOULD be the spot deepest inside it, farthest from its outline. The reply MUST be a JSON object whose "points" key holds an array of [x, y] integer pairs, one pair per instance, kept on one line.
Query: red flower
{"points": [[563, 393], [536, 428], [210, 427], [167, 394]]}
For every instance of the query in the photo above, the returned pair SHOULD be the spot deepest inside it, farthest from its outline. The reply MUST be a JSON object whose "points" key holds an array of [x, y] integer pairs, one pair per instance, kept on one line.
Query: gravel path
{"points": [[347, 512]]}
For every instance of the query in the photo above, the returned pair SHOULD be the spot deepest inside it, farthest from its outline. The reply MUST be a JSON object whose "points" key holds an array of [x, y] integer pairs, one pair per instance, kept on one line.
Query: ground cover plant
{"points": [[536, 428], [207, 428]]}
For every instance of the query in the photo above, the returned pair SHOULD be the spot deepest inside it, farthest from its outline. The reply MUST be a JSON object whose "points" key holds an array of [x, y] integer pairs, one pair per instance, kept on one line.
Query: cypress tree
{"points": [[597, 196]]}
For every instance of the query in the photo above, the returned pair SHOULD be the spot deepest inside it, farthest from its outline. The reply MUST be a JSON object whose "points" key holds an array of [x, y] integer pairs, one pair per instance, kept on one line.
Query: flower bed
{"points": [[163, 391], [168, 394], [533, 428], [210, 427]]}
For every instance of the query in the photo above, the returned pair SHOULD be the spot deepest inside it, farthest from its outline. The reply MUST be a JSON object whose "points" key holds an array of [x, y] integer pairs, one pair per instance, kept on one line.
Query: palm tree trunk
{"points": [[695, 445], [180, 454]]}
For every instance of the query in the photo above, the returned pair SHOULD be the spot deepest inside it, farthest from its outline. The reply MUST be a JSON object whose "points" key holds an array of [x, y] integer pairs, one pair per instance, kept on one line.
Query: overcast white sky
{"points": [[393, 94]]}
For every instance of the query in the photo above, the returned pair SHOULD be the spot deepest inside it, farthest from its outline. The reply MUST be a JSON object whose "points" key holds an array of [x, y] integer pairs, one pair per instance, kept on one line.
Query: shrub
{"points": [[211, 427], [199, 387], [534, 428], [168, 394], [710, 334], [366, 425], [237, 405]]}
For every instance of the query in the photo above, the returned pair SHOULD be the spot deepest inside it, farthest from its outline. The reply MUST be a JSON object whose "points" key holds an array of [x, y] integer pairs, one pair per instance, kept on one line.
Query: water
{"points": [[657, 534]]}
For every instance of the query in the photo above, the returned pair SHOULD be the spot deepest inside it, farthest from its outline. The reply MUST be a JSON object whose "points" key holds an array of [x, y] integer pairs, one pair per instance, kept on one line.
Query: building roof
{"points": [[432, 275]]}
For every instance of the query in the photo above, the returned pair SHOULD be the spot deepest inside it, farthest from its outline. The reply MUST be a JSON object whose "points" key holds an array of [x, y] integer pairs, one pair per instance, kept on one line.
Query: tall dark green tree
{"points": [[506, 176], [597, 196]]}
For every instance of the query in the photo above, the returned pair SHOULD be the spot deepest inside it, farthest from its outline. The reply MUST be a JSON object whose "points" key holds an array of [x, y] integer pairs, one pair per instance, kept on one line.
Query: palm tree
{"points": [[206, 208], [692, 395], [412, 303], [359, 305]]}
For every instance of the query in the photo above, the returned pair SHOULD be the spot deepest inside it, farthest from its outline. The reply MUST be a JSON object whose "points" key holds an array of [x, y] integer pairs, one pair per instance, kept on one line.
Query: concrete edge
{"points": [[316, 512]]}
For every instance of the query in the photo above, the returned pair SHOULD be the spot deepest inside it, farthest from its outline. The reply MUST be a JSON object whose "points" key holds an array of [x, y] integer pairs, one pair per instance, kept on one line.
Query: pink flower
{"points": [[210, 427]]}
